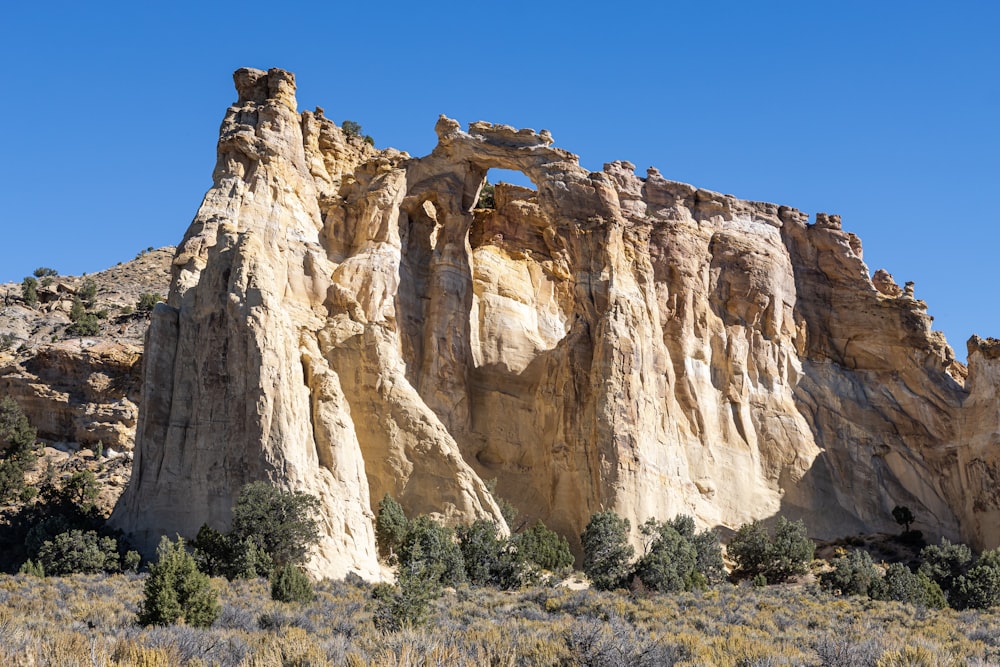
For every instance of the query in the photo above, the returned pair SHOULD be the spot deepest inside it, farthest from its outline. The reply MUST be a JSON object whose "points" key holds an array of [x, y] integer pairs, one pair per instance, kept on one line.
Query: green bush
{"points": [[44, 272], [436, 544], [80, 491], [19, 449], [777, 558], [87, 292], [489, 558], [979, 588], [902, 585], [29, 292], [271, 528], [131, 561], [79, 552], [31, 568], [853, 574], [606, 552], [291, 584], [213, 554], [669, 564], [351, 128], [944, 563], [147, 301], [82, 321], [176, 591], [707, 547], [487, 196], [407, 603], [390, 527], [221, 555], [281, 523], [66, 505], [544, 548]]}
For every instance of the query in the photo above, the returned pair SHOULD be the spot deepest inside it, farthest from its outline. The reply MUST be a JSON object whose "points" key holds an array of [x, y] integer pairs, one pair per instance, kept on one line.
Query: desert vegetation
{"points": [[471, 595], [91, 619]]}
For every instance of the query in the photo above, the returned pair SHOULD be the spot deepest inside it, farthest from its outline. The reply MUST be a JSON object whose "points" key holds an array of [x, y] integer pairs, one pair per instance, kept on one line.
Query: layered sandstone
{"points": [[346, 322], [81, 390]]}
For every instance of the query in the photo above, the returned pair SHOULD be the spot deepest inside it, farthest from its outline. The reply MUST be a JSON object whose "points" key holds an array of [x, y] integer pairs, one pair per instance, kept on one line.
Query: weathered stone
{"points": [[76, 392], [344, 321]]}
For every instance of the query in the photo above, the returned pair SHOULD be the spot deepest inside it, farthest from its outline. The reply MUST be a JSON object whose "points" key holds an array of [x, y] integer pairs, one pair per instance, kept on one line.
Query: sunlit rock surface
{"points": [[344, 321]]}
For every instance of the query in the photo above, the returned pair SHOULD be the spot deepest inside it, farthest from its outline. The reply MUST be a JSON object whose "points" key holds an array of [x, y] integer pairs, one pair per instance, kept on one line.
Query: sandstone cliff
{"points": [[344, 321]]}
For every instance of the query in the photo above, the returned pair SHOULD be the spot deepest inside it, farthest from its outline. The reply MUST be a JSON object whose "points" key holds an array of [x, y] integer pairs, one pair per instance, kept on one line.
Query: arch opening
{"points": [[522, 294]]}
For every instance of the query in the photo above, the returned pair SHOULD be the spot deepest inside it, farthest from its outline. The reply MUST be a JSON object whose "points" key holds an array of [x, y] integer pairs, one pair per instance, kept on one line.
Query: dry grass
{"points": [[89, 620]]}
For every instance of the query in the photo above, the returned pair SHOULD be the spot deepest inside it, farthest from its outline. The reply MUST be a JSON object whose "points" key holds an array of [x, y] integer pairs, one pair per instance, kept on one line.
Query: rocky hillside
{"points": [[81, 387], [348, 322]]}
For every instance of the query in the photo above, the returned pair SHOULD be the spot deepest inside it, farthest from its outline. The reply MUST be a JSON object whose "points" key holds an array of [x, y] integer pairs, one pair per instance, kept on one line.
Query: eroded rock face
{"points": [[344, 321], [76, 391]]}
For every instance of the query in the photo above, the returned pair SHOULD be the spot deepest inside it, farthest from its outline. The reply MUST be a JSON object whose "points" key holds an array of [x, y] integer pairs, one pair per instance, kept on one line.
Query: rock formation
{"points": [[81, 389], [78, 392], [345, 321]]}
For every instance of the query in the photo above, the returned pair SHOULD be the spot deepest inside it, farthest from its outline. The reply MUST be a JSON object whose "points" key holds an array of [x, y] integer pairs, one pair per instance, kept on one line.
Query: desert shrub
{"points": [[291, 584], [436, 544], [212, 552], [707, 547], [29, 292], [487, 196], [407, 603], [44, 272], [777, 558], [390, 526], [87, 292], [147, 301], [221, 555], [80, 491], [489, 558], [131, 561], [979, 588], [593, 641], [79, 552], [853, 574], [16, 432], [903, 585], [944, 563], [677, 557], [351, 128], [18, 446], [281, 523], [669, 563], [607, 555], [176, 590], [69, 505], [82, 321], [31, 568], [544, 548], [7, 341]]}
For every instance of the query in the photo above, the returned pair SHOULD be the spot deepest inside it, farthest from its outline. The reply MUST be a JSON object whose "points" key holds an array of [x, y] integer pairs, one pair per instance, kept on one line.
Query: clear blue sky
{"points": [[887, 113]]}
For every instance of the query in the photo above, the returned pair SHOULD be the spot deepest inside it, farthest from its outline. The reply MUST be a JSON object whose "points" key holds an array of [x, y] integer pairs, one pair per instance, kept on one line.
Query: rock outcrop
{"points": [[81, 389], [344, 320]]}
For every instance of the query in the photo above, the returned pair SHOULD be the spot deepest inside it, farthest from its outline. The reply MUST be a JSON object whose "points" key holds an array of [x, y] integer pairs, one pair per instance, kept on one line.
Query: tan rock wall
{"points": [[345, 321]]}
